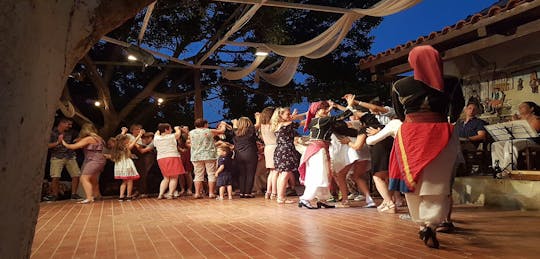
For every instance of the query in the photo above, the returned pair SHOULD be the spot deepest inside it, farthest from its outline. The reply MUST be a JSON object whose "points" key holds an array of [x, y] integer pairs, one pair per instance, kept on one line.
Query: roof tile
{"points": [[499, 7]]}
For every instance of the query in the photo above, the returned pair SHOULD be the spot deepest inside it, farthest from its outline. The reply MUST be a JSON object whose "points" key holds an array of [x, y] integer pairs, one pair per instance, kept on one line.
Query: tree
{"points": [[41, 43], [175, 25]]}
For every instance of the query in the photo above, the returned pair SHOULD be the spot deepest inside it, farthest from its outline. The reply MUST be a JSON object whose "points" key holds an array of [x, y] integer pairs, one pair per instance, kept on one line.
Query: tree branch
{"points": [[145, 93], [101, 86]]}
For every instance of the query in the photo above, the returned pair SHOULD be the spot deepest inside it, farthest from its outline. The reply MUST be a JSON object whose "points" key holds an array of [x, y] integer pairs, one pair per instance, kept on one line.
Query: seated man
{"points": [[505, 153], [471, 130]]}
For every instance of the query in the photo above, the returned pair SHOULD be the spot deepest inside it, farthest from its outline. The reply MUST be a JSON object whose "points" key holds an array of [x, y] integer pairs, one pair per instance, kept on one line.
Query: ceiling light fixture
{"points": [[136, 53]]}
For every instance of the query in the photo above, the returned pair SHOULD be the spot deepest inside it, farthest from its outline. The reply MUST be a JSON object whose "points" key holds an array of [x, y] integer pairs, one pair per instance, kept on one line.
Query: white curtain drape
{"points": [[283, 75], [324, 43], [237, 75]]}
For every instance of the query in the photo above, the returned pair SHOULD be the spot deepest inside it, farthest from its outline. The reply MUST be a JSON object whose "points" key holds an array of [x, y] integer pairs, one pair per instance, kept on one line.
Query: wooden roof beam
{"points": [[147, 16], [488, 42], [319, 8], [456, 33]]}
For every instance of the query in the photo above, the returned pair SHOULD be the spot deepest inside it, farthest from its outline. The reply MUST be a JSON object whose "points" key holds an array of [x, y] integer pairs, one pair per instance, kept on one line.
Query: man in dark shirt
{"points": [[60, 157], [471, 129]]}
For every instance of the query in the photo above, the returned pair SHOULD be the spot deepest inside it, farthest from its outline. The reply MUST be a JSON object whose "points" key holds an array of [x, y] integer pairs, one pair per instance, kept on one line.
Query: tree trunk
{"points": [[40, 43], [198, 110]]}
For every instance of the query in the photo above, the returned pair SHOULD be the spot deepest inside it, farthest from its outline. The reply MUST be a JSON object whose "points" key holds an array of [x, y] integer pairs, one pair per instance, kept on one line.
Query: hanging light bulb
{"points": [[97, 103]]}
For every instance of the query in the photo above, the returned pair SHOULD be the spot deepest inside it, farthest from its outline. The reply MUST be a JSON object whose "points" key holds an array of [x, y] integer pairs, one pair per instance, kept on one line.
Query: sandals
{"points": [[285, 201], [85, 201], [387, 207]]}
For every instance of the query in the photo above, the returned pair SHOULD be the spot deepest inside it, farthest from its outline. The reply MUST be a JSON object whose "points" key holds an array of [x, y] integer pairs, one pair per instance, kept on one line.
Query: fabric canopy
{"points": [[319, 46]]}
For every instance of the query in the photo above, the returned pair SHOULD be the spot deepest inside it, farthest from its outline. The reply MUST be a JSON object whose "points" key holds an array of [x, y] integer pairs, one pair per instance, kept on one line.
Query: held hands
{"points": [[344, 140], [141, 132], [60, 138], [372, 131], [350, 99], [177, 128], [331, 103]]}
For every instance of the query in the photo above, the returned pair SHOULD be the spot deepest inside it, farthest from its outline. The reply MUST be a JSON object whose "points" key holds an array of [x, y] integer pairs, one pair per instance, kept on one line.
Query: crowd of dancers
{"points": [[409, 149]]}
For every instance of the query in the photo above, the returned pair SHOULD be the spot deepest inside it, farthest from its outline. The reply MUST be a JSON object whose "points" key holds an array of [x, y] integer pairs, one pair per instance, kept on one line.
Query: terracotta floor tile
{"points": [[256, 228]]}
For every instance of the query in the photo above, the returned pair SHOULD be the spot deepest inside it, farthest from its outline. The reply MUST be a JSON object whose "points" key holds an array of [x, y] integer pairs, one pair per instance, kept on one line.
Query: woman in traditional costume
{"points": [[426, 146]]}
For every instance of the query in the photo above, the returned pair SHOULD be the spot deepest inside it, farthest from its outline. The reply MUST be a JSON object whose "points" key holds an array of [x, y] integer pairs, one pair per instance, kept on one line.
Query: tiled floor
{"points": [[258, 228]]}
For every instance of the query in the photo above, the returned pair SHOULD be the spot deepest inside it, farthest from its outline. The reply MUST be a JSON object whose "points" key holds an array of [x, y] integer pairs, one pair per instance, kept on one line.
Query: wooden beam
{"points": [[488, 42], [147, 16], [155, 53], [497, 39], [482, 32], [319, 8], [229, 33]]}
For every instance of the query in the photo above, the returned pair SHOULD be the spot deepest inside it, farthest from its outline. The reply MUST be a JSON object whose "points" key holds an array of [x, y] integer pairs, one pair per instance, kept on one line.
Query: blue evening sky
{"points": [[421, 19]]}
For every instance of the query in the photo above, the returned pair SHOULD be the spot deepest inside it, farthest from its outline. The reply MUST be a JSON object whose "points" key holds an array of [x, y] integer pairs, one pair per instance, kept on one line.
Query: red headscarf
{"points": [[313, 108], [427, 65]]}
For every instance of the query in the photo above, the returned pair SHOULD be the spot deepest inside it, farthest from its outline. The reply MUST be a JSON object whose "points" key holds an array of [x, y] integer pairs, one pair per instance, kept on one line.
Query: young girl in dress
{"points": [[224, 173], [124, 168]]}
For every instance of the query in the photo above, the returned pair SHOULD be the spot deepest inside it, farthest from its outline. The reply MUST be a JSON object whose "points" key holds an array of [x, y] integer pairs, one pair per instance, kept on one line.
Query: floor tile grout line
{"points": [[150, 239], [168, 239], [67, 231], [189, 241], [85, 225], [133, 241], [331, 226], [55, 214], [98, 228], [115, 245], [226, 241], [298, 233], [58, 223], [207, 241]]}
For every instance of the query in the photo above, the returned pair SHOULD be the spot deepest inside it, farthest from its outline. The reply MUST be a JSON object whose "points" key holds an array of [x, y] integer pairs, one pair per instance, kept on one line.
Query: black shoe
{"points": [[50, 198], [303, 203], [248, 196], [326, 206], [445, 227], [429, 237], [122, 198], [75, 196]]}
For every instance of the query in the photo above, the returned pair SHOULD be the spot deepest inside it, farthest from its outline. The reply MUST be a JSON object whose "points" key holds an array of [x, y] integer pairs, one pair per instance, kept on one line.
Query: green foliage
{"points": [[187, 29]]}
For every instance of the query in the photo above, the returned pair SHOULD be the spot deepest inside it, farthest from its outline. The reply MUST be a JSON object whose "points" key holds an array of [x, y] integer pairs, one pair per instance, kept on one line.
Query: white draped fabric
{"points": [[319, 46], [283, 75], [236, 75]]}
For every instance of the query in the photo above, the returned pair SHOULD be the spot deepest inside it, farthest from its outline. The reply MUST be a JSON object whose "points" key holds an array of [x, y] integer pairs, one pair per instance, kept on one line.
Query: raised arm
{"points": [[257, 120], [370, 106], [133, 142], [390, 130], [177, 132], [79, 144]]}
